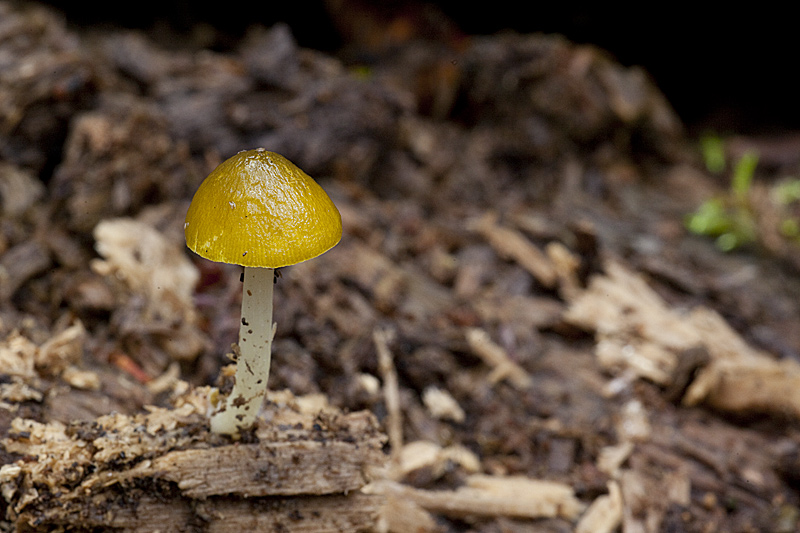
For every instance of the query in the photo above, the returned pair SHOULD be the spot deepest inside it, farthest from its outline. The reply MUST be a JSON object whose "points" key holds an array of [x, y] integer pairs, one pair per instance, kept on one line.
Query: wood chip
{"points": [[604, 515], [151, 265], [442, 405], [633, 423], [152, 269], [62, 350], [512, 244], [18, 356], [400, 515], [638, 332], [497, 358], [429, 455], [511, 496], [566, 265], [611, 458], [391, 393], [59, 356]]}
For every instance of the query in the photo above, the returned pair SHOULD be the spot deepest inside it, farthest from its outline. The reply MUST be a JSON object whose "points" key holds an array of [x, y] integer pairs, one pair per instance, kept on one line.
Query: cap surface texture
{"points": [[257, 209]]}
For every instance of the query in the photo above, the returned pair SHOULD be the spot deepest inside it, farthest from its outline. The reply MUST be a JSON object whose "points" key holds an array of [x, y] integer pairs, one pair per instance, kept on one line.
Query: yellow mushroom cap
{"points": [[257, 209]]}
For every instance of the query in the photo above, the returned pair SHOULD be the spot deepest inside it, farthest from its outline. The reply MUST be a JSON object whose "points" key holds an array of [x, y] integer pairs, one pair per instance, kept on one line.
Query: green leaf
{"points": [[743, 175], [713, 149], [710, 218]]}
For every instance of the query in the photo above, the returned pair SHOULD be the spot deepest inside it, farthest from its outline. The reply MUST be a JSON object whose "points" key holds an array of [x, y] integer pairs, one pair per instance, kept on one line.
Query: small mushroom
{"points": [[258, 210]]}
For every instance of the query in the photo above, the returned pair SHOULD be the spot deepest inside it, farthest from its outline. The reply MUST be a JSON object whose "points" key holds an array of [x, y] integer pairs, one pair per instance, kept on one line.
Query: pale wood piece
{"points": [[400, 515], [503, 367], [604, 515], [391, 391], [640, 335], [268, 468], [511, 244], [511, 496]]}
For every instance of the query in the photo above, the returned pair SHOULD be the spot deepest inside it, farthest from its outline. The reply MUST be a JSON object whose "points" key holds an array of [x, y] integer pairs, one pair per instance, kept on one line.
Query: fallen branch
{"points": [[164, 470]]}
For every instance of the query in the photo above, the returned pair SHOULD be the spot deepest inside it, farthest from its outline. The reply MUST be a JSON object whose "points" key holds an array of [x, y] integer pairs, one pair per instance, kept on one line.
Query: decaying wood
{"points": [[491, 496], [440, 404], [510, 243], [135, 511], [400, 515], [503, 367], [127, 471], [59, 356], [312, 464], [435, 460], [155, 299], [98, 127], [390, 390], [604, 514], [639, 334]]}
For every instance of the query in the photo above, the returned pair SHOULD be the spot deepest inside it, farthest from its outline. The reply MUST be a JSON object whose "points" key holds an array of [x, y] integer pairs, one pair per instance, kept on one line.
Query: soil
{"points": [[514, 245]]}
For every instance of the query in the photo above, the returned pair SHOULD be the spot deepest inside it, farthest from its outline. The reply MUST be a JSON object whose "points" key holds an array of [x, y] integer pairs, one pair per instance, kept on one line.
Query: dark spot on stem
{"points": [[239, 401]]}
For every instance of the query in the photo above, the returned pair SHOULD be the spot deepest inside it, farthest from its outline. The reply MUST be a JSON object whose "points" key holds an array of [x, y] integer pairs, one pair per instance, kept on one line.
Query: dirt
{"points": [[486, 186]]}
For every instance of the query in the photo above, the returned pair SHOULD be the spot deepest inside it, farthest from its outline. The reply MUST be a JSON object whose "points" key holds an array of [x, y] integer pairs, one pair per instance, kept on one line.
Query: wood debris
{"points": [[391, 392], [98, 125], [400, 515], [158, 285], [642, 512], [311, 514], [739, 378], [442, 405], [567, 266], [149, 264], [503, 367], [122, 471], [638, 333], [434, 459], [604, 515], [512, 244], [58, 357], [483, 495], [610, 458]]}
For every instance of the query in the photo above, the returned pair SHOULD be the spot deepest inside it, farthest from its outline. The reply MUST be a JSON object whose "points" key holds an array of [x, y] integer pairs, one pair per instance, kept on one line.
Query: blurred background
{"points": [[723, 69]]}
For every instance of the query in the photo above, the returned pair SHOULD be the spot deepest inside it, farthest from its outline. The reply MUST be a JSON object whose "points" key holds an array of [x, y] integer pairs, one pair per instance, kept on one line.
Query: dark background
{"points": [[726, 69]]}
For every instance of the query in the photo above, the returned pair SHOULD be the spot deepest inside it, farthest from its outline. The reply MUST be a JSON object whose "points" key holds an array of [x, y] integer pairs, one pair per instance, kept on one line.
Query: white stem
{"points": [[255, 351]]}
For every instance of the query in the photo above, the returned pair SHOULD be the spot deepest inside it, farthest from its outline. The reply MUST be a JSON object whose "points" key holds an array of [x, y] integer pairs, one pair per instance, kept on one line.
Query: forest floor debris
{"points": [[515, 319]]}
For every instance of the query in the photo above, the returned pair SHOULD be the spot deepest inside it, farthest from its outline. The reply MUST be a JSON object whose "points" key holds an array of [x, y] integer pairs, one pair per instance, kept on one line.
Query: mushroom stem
{"points": [[255, 351]]}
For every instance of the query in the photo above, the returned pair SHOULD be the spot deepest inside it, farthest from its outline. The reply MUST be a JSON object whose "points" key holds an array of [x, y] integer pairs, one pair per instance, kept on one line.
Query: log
{"points": [[301, 468], [137, 512]]}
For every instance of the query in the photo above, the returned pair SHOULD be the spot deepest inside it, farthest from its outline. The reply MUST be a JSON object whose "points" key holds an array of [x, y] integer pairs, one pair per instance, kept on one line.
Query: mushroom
{"points": [[258, 210]]}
